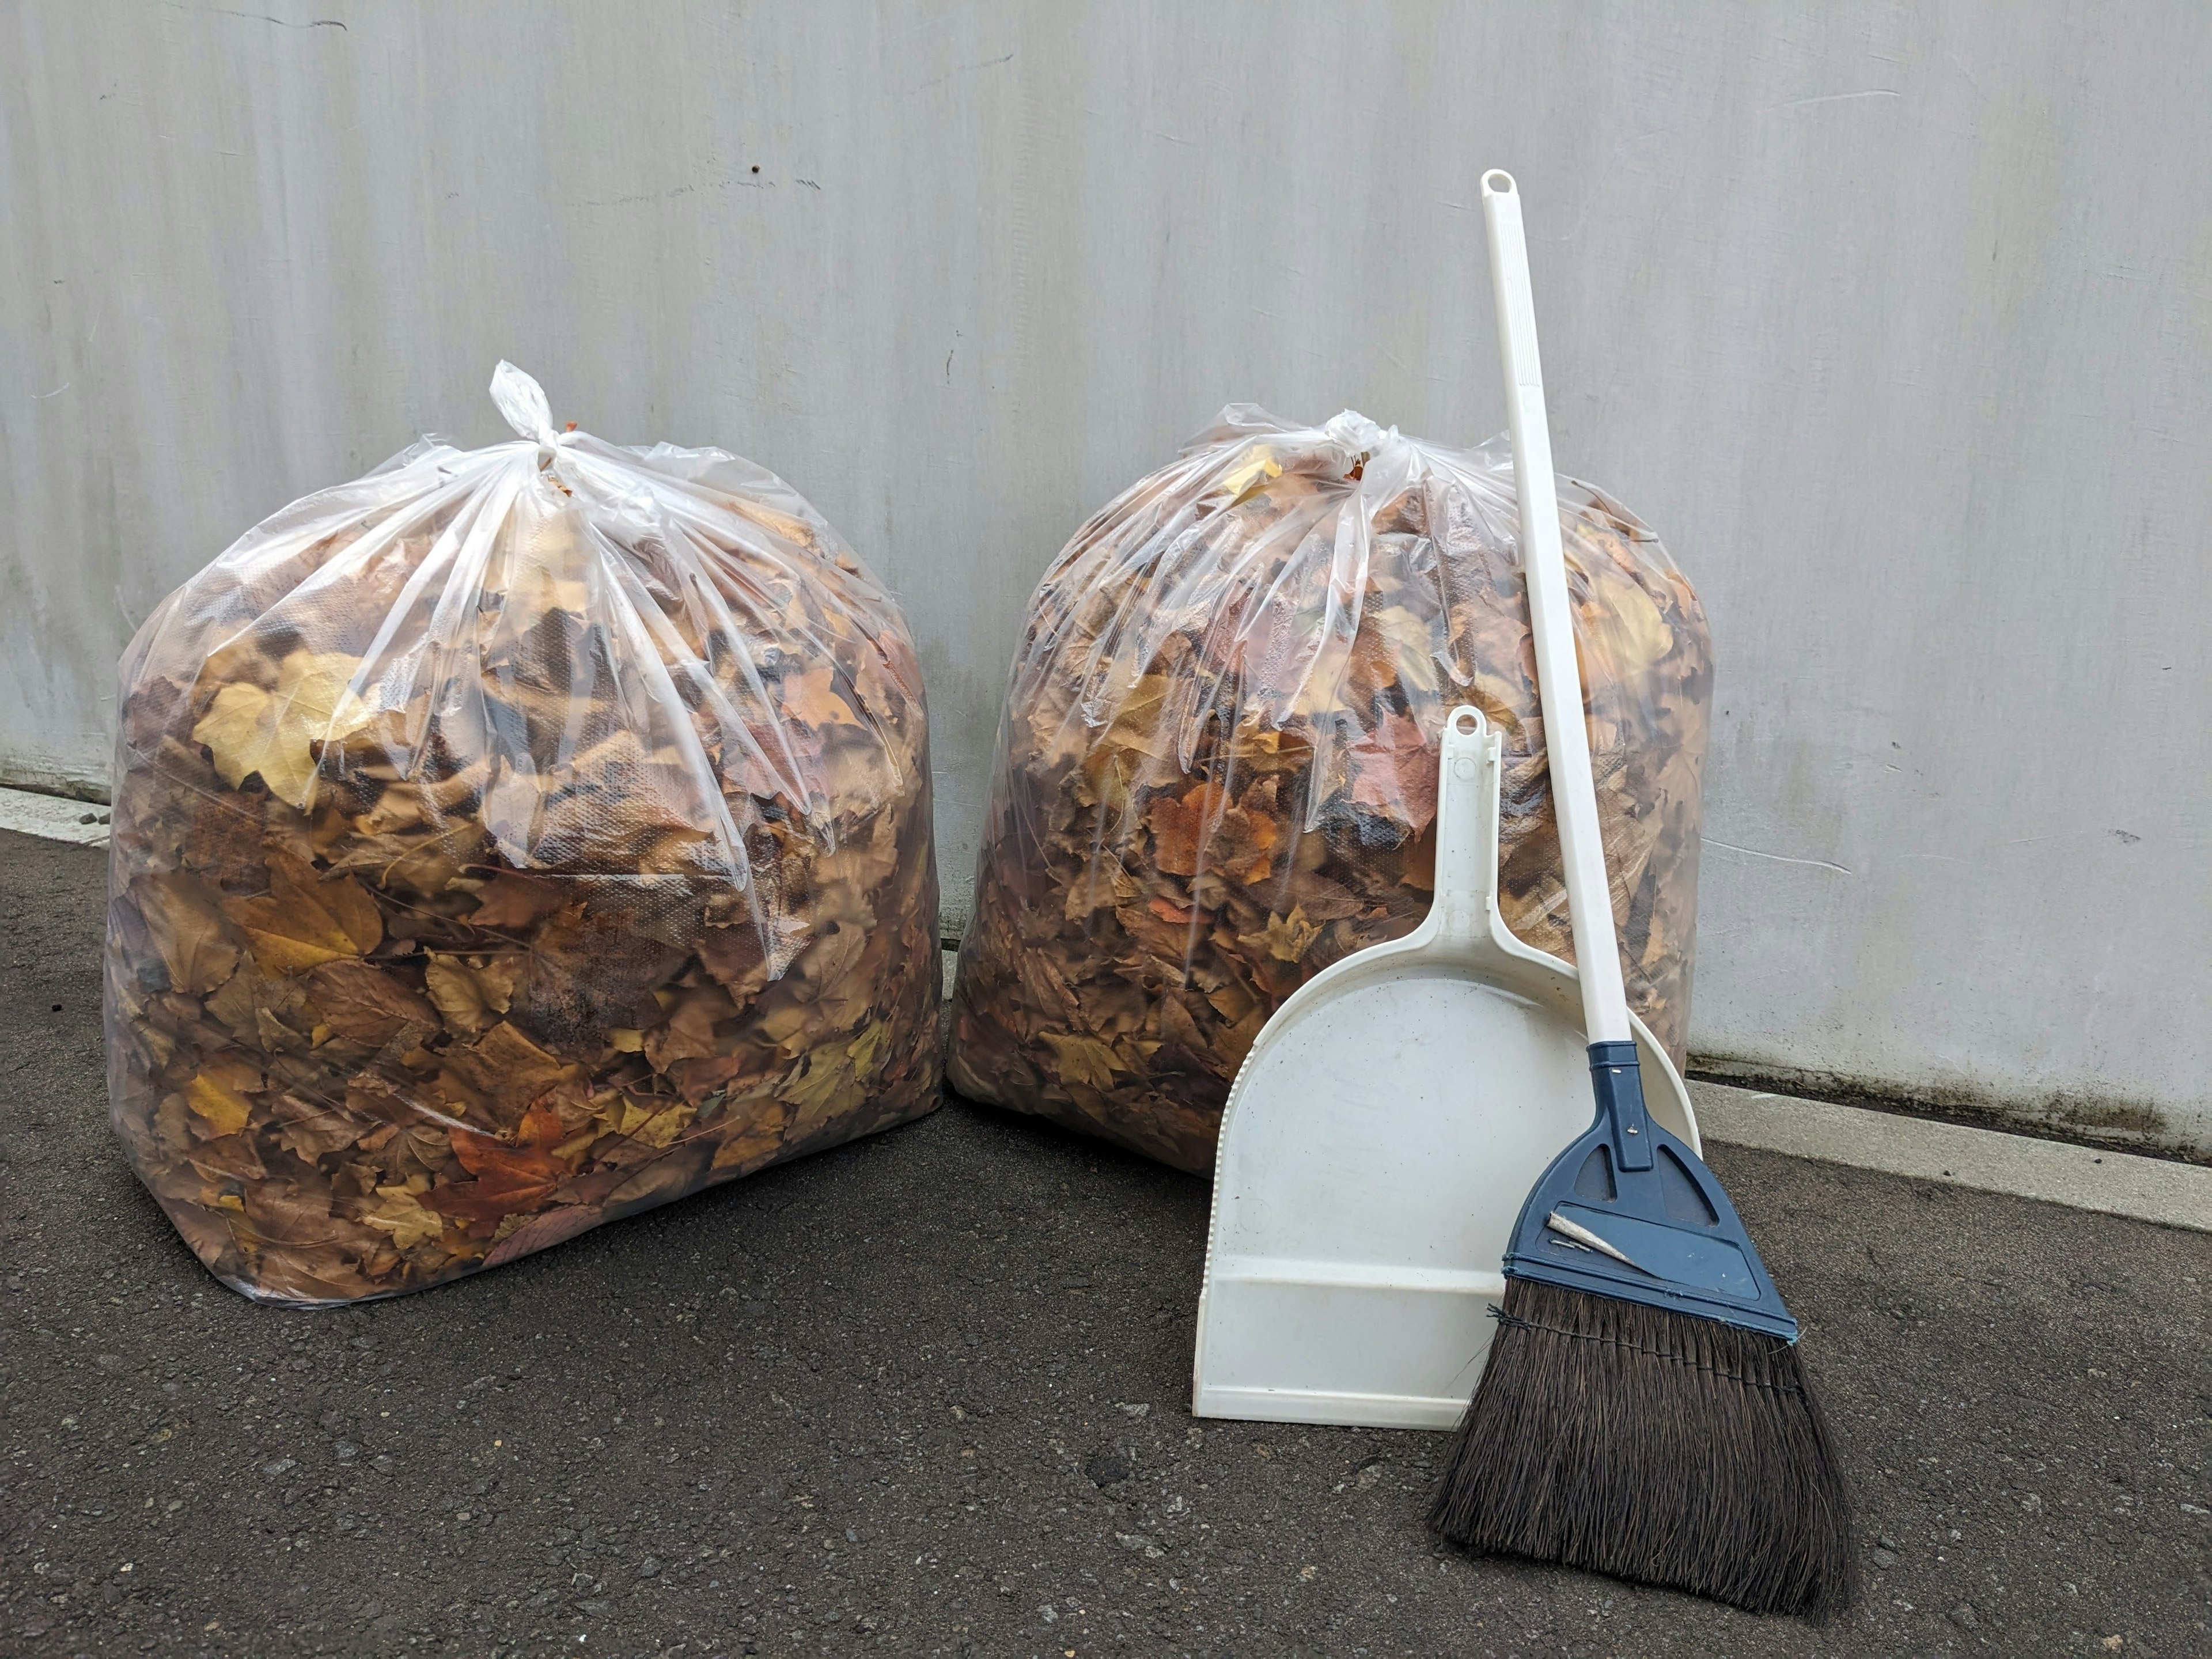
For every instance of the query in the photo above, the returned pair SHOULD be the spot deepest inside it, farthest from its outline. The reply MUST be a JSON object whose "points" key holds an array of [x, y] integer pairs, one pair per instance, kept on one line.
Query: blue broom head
{"points": [[1629, 1212]]}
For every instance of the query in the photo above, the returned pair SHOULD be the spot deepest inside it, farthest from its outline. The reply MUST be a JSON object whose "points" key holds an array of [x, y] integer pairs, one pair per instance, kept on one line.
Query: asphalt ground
{"points": [[928, 1394]]}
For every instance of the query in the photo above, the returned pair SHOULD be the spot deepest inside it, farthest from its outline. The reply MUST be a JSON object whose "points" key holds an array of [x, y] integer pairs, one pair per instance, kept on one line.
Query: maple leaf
{"points": [[695, 1079], [866, 1051], [689, 1031], [299, 1213], [541, 1126], [309, 1131], [587, 969], [293, 881], [509, 1180], [619, 1114], [508, 1068], [821, 1087], [662, 1128], [228, 1157], [509, 900], [733, 956]]}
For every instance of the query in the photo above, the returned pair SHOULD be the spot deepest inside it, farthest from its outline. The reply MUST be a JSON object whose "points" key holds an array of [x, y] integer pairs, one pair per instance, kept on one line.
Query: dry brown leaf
{"points": [[184, 919], [1286, 938], [470, 993], [368, 1004], [1081, 1058]]}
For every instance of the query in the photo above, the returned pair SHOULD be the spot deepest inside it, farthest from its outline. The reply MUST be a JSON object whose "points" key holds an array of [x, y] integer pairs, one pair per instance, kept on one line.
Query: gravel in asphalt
{"points": [[929, 1395]]}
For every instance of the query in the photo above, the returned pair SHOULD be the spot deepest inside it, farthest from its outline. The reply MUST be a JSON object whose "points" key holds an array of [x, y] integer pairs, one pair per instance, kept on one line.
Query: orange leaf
{"points": [[1393, 771], [1180, 828], [811, 697], [541, 1126], [499, 1166]]}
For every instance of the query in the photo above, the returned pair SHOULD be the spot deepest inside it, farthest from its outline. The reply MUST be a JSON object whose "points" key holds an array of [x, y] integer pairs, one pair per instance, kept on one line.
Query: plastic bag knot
{"points": [[1356, 434], [522, 400]]}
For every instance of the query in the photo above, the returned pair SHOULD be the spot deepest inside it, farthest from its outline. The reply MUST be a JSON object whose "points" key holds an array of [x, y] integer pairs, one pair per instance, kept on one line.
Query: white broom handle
{"points": [[1574, 795]]}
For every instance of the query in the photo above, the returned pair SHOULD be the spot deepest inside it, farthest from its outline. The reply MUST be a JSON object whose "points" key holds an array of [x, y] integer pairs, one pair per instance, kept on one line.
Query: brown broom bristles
{"points": [[1651, 1445]]}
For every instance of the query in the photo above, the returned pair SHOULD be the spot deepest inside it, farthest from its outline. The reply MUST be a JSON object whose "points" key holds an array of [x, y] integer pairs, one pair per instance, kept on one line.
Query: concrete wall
{"points": [[1896, 320]]}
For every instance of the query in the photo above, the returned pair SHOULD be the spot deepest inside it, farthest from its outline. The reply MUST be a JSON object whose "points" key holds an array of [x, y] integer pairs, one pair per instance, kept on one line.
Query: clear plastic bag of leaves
{"points": [[1218, 761], [506, 842]]}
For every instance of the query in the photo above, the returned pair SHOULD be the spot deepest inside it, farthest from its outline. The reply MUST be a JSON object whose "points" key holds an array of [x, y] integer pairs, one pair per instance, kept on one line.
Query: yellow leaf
{"points": [[625, 1039], [280, 954], [1082, 1059], [1256, 467], [666, 1125], [291, 935], [758, 1140], [294, 927], [816, 1082], [863, 1049], [622, 1115], [248, 730], [1286, 938], [225, 1109], [576, 1146], [403, 1215]]}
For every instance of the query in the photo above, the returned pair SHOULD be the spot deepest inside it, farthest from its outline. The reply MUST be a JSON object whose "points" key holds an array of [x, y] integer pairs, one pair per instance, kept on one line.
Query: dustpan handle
{"points": [[1567, 739], [1466, 828]]}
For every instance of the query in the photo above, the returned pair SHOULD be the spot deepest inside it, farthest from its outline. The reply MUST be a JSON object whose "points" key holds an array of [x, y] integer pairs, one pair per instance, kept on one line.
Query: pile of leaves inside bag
{"points": [[504, 842], [1218, 772]]}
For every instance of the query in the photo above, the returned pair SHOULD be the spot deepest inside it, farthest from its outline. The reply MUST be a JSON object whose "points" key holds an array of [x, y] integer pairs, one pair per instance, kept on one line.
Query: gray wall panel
{"points": [[1895, 320]]}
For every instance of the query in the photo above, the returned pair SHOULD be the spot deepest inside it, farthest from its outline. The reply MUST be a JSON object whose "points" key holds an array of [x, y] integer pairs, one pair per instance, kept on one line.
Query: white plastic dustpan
{"points": [[1379, 1141]]}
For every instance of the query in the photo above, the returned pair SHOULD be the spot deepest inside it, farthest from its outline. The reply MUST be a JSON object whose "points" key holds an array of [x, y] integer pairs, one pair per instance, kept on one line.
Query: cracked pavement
{"points": [[929, 1395]]}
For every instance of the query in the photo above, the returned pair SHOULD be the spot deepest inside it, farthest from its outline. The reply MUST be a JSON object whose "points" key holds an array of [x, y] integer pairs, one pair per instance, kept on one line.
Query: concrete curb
{"points": [[53, 817], [2019, 1166]]}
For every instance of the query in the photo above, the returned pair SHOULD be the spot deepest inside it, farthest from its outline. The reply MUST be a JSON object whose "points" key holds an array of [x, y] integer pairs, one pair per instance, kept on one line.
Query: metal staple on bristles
{"points": [[1519, 1323]]}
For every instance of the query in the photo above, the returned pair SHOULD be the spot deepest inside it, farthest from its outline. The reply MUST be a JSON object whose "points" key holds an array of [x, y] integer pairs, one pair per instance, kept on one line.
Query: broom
{"points": [[1644, 1414]]}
